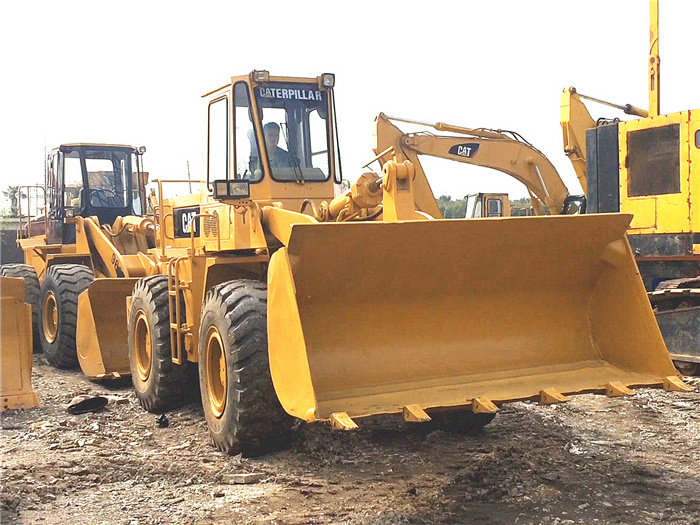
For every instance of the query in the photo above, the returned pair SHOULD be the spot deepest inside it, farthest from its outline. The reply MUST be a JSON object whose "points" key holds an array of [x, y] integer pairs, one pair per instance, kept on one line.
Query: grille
{"points": [[211, 225]]}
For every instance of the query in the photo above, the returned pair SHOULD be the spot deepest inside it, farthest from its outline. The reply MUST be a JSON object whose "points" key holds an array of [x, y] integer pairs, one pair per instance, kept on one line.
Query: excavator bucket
{"points": [[15, 347], [102, 329], [369, 318]]}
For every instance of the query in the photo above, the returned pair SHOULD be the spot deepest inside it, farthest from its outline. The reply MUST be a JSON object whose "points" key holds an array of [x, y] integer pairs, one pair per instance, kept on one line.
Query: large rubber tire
{"points": [[159, 383], [240, 405], [62, 285], [460, 421], [32, 295]]}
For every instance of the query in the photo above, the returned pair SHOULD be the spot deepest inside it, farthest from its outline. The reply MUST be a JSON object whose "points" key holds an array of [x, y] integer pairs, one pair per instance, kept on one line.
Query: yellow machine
{"points": [[487, 205], [90, 230], [482, 205], [648, 168], [301, 302], [295, 300], [15, 347], [504, 151]]}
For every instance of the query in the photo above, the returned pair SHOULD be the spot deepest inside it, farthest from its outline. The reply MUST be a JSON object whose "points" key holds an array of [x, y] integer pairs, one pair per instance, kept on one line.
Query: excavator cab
{"points": [[92, 180]]}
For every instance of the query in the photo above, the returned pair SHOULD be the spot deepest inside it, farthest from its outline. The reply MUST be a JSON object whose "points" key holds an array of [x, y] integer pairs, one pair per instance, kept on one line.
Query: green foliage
{"points": [[452, 209], [456, 209], [520, 203]]}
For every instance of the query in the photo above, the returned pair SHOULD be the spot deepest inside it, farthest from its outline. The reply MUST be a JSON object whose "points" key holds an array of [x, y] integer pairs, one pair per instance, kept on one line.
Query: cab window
{"points": [[494, 208], [296, 131], [217, 141], [248, 166]]}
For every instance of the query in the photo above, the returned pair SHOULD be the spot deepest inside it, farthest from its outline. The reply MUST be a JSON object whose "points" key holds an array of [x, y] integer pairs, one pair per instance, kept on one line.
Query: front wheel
{"points": [[32, 296], [159, 383], [240, 405], [62, 285]]}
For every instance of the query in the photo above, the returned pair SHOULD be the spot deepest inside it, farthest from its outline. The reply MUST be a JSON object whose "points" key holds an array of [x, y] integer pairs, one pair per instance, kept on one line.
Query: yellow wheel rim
{"points": [[142, 346], [215, 363], [50, 317]]}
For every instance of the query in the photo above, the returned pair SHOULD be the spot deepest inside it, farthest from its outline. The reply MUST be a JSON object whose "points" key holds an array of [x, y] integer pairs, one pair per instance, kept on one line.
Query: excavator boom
{"points": [[502, 151]]}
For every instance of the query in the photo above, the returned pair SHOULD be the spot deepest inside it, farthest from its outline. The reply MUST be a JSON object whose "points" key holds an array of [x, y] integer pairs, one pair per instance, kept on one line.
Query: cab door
{"points": [[694, 137], [655, 173]]}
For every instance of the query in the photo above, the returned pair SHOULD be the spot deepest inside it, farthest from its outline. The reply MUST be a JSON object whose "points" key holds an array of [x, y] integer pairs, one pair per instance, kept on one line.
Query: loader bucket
{"points": [[15, 347], [368, 318], [102, 329]]}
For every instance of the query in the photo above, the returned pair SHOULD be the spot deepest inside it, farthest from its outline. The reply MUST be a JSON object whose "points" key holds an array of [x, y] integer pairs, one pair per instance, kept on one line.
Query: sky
{"points": [[133, 72]]}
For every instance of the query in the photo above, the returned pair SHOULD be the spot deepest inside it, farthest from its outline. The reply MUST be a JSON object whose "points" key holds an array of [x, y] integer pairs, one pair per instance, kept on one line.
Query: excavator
{"points": [[504, 151], [647, 167], [296, 301]]}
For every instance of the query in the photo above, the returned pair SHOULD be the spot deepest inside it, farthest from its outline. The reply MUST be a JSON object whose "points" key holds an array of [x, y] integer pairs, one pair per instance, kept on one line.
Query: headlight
{"points": [[240, 189], [328, 80], [231, 189], [261, 76]]}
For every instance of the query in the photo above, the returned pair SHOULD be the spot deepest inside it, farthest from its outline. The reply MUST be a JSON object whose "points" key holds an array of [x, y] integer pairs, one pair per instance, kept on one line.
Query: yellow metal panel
{"points": [[15, 347], [694, 148], [102, 328], [557, 303], [668, 213], [290, 368]]}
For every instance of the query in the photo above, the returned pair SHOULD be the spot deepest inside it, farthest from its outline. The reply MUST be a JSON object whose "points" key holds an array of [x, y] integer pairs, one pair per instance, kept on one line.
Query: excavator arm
{"points": [[480, 147], [575, 120]]}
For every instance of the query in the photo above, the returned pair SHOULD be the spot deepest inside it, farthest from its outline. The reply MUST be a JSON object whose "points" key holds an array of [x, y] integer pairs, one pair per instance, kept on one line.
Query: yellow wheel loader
{"points": [[301, 302], [90, 231], [648, 168]]}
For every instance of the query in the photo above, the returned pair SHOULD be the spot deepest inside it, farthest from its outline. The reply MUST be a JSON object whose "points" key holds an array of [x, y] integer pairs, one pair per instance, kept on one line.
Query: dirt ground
{"points": [[601, 460]]}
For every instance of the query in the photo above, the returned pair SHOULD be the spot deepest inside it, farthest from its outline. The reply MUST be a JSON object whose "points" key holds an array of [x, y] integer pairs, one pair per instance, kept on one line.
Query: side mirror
{"points": [[574, 205]]}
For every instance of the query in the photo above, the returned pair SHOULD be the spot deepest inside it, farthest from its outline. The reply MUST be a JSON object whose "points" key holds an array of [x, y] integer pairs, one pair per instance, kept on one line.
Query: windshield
{"points": [[108, 172], [295, 126]]}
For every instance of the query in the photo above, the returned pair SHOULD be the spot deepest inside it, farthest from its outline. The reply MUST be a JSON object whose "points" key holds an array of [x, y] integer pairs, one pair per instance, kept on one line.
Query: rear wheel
{"points": [[239, 400], [460, 421], [158, 382], [62, 285], [32, 295]]}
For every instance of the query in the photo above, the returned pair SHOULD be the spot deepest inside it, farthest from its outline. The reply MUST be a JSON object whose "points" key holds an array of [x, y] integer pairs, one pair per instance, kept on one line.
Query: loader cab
{"points": [[278, 135], [86, 180]]}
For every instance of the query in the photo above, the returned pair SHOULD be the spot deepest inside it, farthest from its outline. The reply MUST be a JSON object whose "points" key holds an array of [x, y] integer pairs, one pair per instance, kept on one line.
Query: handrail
{"points": [[29, 217]]}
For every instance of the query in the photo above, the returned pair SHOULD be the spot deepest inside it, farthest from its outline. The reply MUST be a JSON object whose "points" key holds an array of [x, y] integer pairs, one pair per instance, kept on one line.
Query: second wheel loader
{"points": [[92, 229]]}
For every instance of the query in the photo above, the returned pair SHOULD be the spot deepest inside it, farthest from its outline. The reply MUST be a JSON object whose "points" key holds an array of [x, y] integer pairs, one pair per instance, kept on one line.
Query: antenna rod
{"points": [[654, 60]]}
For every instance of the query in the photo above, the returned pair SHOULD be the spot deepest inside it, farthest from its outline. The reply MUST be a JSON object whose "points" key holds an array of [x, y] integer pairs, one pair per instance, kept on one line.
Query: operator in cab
{"points": [[279, 158]]}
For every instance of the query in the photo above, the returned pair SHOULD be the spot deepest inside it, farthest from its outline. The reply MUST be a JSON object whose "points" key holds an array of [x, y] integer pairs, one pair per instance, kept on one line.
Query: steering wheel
{"points": [[104, 198]]}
